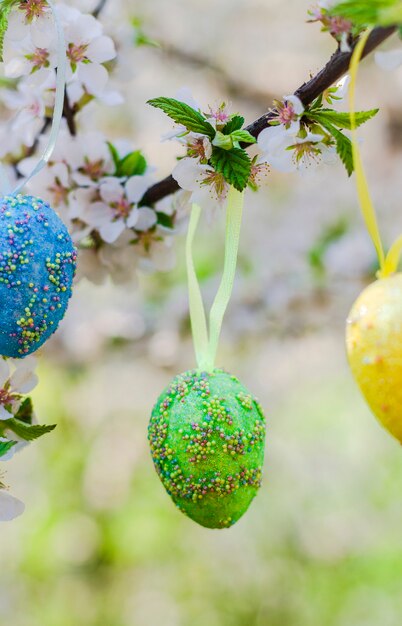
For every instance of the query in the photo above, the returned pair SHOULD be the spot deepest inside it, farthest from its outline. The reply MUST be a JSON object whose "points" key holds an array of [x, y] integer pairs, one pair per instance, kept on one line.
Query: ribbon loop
{"points": [[57, 111], [206, 344], [388, 263]]}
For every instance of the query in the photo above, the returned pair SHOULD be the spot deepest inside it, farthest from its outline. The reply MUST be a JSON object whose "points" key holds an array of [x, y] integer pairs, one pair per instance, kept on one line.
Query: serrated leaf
{"points": [[25, 412], [5, 446], [344, 149], [342, 120], [343, 146], [243, 135], [183, 114], [28, 432], [5, 8], [134, 164], [236, 122], [234, 164]]}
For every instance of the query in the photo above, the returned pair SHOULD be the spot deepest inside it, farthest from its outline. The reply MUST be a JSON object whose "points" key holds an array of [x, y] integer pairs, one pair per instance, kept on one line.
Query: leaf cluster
{"points": [[333, 123], [228, 156], [132, 164], [372, 13], [21, 425]]}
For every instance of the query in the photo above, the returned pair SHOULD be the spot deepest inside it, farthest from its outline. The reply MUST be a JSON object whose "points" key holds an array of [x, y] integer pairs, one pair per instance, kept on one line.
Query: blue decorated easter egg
{"points": [[37, 267]]}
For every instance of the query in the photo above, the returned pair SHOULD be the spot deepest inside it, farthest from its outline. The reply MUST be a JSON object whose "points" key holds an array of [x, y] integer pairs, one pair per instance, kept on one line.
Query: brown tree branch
{"points": [[336, 67], [69, 115], [98, 10]]}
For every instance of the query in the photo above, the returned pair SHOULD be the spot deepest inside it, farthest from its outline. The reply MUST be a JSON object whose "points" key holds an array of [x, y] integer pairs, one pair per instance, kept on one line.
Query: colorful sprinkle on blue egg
{"points": [[37, 267]]}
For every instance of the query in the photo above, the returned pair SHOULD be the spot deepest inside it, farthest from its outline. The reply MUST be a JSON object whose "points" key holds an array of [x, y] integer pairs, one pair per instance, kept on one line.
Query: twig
{"points": [[336, 67], [99, 8], [69, 114]]}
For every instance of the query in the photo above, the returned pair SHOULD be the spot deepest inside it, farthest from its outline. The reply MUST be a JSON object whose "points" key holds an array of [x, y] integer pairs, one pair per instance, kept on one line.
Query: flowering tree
{"points": [[120, 218]]}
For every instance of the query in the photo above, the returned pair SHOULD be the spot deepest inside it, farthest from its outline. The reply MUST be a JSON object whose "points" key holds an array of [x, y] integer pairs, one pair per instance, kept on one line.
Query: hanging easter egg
{"points": [[207, 436], [374, 347], [37, 266]]}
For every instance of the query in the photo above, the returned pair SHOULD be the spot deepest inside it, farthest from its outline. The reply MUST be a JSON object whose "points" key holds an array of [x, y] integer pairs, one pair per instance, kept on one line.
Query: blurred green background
{"points": [[100, 543]]}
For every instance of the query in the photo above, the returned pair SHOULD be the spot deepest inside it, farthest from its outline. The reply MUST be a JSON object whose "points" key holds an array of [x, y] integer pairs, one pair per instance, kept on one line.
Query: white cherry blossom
{"points": [[288, 153], [28, 100], [90, 159], [87, 49], [208, 188], [288, 114], [17, 377], [116, 210], [34, 20]]}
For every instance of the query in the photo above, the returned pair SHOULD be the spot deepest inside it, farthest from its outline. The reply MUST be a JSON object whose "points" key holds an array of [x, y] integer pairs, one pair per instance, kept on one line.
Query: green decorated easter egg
{"points": [[207, 436]]}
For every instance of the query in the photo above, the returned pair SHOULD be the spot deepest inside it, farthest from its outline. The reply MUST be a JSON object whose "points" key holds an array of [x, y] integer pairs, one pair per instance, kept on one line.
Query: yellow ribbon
{"points": [[388, 263], [206, 344]]}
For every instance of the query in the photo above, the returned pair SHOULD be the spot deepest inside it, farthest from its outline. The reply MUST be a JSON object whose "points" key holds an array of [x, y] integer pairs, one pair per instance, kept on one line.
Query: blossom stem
{"points": [[336, 67]]}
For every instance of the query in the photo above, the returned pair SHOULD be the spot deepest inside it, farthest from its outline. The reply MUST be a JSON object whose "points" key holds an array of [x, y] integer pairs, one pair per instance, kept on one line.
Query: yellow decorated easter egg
{"points": [[374, 347]]}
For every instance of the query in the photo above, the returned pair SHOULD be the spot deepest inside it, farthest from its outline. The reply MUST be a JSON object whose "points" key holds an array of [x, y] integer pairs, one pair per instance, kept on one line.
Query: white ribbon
{"points": [[57, 112]]}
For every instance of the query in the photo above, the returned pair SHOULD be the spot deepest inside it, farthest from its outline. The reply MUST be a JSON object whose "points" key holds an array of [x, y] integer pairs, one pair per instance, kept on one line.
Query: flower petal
{"points": [[111, 190], [296, 103], [94, 77], [136, 187], [146, 219], [112, 231], [4, 372], [24, 379], [4, 414], [101, 49], [132, 219], [10, 507], [188, 173]]}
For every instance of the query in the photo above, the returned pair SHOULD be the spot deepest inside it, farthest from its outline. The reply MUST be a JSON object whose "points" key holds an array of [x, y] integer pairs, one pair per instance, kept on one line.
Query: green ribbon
{"points": [[206, 343]]}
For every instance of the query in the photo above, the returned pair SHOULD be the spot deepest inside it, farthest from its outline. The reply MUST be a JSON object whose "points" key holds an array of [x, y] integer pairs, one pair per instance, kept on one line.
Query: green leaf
{"points": [[5, 8], [134, 164], [28, 432], [235, 165], [317, 103], [5, 446], [223, 141], [343, 146], [114, 154], [183, 114], [342, 120], [165, 220], [25, 412], [344, 150], [236, 122], [242, 135]]}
